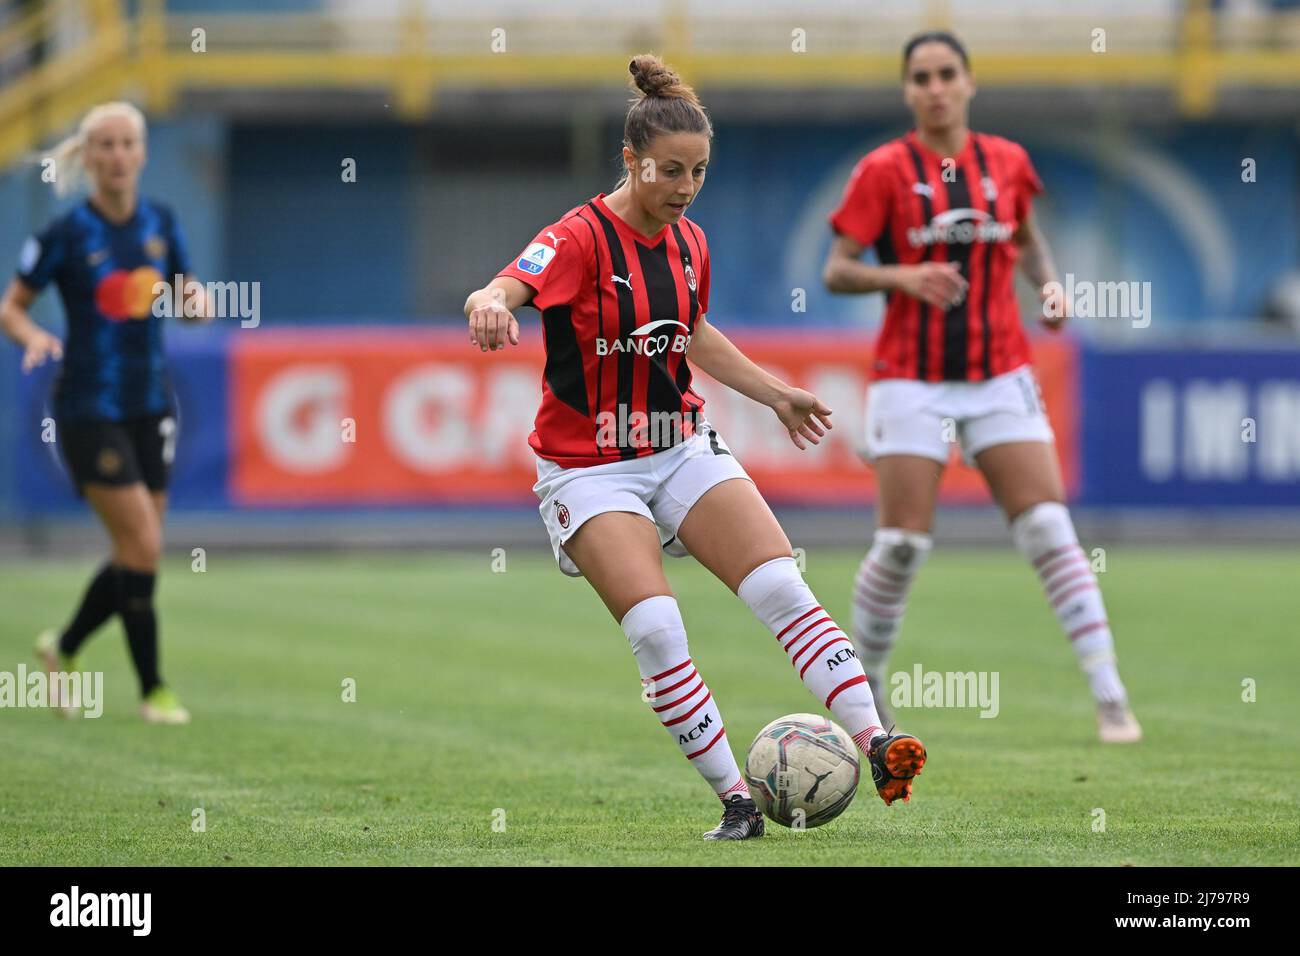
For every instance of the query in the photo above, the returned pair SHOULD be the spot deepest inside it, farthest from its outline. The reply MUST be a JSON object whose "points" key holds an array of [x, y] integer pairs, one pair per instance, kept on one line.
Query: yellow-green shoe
{"points": [[47, 649], [161, 706]]}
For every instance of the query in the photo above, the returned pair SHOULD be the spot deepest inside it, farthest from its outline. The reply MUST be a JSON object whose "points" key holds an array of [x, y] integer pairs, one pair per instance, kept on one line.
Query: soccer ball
{"points": [[802, 770]]}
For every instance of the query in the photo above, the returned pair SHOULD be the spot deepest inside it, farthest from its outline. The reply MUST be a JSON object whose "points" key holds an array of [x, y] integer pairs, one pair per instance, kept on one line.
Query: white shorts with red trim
{"points": [[663, 487], [908, 417]]}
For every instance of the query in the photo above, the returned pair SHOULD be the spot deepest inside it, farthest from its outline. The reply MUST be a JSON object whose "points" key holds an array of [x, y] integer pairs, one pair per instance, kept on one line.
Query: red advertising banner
{"points": [[324, 417]]}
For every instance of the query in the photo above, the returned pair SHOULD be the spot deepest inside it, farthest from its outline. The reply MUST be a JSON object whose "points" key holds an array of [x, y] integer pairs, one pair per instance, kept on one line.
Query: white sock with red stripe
{"points": [[1045, 536], [880, 594], [677, 693], [821, 653]]}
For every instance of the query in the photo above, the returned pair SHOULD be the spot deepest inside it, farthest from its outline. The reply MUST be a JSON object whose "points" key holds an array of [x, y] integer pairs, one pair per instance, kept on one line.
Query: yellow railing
{"points": [[412, 56], [63, 76]]}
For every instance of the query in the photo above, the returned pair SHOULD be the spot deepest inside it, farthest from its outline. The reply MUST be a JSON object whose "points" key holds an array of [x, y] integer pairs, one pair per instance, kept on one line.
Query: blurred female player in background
{"points": [[949, 212], [113, 411], [624, 456]]}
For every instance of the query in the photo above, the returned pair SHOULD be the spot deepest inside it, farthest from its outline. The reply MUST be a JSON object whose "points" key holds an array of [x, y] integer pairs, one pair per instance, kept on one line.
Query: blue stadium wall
{"points": [[1158, 428], [1167, 205]]}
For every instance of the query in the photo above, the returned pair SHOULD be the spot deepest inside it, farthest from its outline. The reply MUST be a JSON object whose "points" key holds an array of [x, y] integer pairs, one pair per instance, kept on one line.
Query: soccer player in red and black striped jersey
{"points": [[948, 211], [627, 464]]}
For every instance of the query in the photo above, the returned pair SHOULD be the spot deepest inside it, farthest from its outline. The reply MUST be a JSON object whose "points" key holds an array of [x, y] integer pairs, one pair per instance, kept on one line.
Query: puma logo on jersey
{"points": [[95, 258], [923, 189], [556, 240], [627, 282]]}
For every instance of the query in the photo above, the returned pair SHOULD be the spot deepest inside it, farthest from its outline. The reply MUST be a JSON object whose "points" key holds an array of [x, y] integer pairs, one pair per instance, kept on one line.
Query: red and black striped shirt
{"points": [[618, 311], [915, 206]]}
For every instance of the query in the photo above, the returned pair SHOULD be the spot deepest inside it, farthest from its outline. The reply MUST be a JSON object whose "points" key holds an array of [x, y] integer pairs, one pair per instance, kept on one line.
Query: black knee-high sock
{"points": [[136, 607], [97, 606]]}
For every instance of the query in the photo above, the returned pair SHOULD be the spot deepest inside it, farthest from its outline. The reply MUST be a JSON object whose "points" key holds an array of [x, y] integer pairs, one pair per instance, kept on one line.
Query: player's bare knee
{"points": [[735, 576], [139, 549], [1022, 507], [914, 521]]}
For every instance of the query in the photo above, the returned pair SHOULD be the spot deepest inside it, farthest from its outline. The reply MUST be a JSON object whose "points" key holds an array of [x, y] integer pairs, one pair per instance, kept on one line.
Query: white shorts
{"points": [[662, 486], [907, 417]]}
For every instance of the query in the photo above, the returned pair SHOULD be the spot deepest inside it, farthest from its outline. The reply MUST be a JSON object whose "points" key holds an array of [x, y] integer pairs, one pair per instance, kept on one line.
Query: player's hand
{"points": [[43, 346], [1056, 308], [803, 415], [193, 293], [940, 284], [491, 325]]}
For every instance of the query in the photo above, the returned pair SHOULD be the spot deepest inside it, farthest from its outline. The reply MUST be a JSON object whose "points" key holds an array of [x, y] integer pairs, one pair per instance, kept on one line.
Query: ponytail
{"points": [[69, 154]]}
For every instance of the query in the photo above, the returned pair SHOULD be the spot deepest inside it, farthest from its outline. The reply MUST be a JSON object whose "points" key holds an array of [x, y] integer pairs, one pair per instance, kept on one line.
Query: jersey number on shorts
{"points": [[167, 429]]}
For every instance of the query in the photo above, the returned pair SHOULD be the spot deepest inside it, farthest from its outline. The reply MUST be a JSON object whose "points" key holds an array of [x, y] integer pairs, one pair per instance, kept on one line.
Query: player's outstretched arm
{"points": [[801, 412], [490, 312], [1038, 267], [17, 324]]}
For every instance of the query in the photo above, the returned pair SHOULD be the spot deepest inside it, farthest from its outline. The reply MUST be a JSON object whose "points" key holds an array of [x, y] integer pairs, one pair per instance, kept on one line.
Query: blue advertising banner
{"points": [[1159, 428], [202, 450], [1184, 428]]}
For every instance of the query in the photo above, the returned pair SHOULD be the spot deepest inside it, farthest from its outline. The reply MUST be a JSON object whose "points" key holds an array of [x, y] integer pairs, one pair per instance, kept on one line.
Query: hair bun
{"points": [[651, 76], [662, 104]]}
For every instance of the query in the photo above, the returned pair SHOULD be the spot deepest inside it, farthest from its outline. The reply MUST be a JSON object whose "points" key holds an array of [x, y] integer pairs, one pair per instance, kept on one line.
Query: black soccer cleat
{"points": [[895, 760], [741, 820]]}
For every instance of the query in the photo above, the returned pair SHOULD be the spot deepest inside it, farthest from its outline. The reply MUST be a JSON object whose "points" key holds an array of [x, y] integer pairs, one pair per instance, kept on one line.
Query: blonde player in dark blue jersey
{"points": [[622, 283], [114, 416]]}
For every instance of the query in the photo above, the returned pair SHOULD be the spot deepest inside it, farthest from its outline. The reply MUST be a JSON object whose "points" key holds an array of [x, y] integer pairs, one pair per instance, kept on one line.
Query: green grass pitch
{"points": [[512, 698]]}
